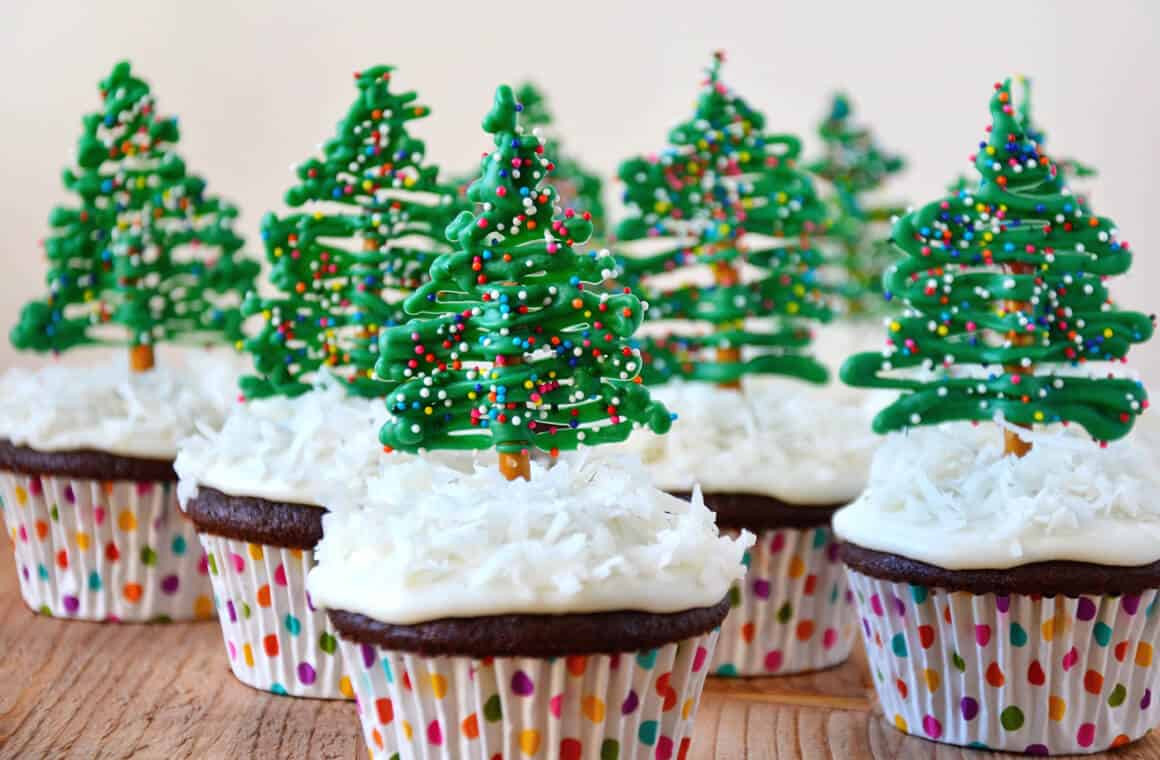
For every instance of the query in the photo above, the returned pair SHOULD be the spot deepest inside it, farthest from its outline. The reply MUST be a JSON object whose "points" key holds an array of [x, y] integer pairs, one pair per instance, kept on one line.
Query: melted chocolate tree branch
{"points": [[512, 348], [1005, 285], [714, 199], [372, 221], [145, 256]]}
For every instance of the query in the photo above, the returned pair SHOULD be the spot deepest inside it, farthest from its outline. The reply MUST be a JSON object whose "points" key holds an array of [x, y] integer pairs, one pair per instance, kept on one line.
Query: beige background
{"points": [[259, 83]]}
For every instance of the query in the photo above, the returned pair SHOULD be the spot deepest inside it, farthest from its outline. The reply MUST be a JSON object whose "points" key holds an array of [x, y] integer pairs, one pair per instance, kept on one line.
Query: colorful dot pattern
{"points": [[105, 550], [792, 612], [275, 639], [1016, 673], [605, 707]]}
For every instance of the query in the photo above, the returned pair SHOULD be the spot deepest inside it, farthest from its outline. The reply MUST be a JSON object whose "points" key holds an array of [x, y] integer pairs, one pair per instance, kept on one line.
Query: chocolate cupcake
{"points": [[90, 493], [575, 613], [777, 461], [252, 489], [1004, 562], [1010, 602], [722, 238]]}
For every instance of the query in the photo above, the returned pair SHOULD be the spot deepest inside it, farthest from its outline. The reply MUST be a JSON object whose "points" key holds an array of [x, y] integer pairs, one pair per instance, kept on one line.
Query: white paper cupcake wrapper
{"points": [[630, 706], [1019, 673], [792, 612], [104, 550], [275, 640]]}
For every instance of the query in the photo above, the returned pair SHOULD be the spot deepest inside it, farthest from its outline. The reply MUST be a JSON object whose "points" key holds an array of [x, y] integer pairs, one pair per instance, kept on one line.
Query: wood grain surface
{"points": [[91, 690]]}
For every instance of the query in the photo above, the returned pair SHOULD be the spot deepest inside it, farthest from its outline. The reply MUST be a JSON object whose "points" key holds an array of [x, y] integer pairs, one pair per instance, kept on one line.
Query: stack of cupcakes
{"points": [[1008, 575], [517, 610], [372, 216], [717, 241], [144, 257]]}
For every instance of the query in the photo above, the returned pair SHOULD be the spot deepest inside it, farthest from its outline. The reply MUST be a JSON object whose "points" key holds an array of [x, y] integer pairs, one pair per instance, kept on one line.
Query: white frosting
{"points": [[780, 438], [109, 408], [285, 449], [948, 497], [587, 535]]}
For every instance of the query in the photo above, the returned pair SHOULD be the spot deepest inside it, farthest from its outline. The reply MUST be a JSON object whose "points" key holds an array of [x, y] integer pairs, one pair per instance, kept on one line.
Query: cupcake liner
{"points": [[792, 612], [275, 639], [1040, 675], [627, 706], [104, 550]]}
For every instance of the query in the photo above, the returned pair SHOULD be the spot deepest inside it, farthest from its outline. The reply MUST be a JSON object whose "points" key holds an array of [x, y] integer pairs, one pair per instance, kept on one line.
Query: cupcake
{"points": [[253, 486], [87, 479], [249, 488], [144, 256], [575, 613], [569, 609], [716, 241], [1007, 574]]}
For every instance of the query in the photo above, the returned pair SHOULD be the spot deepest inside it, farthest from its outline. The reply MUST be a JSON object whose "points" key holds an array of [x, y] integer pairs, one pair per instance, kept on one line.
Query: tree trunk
{"points": [[517, 465], [725, 275], [1012, 443], [141, 358]]}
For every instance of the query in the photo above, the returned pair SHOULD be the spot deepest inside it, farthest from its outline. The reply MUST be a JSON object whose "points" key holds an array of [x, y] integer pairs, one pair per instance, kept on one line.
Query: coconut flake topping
{"points": [[588, 535]]}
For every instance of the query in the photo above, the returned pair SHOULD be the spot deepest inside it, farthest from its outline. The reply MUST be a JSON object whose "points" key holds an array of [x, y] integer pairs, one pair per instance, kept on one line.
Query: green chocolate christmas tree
{"points": [[144, 256], [855, 166], [1001, 285], [727, 198], [372, 220], [514, 350]]}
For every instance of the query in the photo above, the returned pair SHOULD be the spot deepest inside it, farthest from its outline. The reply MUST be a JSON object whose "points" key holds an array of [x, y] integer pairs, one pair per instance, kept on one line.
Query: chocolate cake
{"points": [[1037, 578], [533, 635], [84, 463], [758, 512], [259, 521]]}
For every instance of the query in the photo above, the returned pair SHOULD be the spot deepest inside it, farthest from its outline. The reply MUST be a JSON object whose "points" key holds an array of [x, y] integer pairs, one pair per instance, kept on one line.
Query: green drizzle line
{"points": [[371, 225], [145, 249], [855, 165], [721, 178], [513, 350], [955, 281]]}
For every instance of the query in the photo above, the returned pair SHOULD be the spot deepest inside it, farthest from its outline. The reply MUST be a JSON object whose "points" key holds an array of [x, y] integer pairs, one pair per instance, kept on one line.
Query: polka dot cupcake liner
{"points": [[117, 551], [629, 706], [275, 639], [792, 612], [1043, 676]]}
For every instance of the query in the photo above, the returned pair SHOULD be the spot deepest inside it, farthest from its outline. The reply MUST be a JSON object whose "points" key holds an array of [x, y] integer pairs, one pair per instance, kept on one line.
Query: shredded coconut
{"points": [[109, 408], [285, 448], [590, 534], [781, 438], [948, 496]]}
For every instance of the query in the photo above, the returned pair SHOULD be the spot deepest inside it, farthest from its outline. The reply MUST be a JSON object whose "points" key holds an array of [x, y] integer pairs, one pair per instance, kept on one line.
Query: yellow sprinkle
{"points": [[895, 327], [427, 410], [990, 150]]}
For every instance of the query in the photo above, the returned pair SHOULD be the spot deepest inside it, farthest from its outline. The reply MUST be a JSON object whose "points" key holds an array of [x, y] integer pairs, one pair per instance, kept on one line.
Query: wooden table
{"points": [[91, 690]]}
